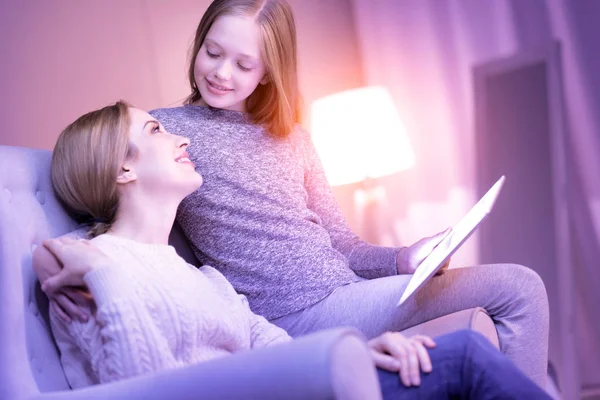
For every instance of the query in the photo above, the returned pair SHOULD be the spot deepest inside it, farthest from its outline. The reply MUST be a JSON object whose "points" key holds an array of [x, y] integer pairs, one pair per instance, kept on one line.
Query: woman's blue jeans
{"points": [[465, 366]]}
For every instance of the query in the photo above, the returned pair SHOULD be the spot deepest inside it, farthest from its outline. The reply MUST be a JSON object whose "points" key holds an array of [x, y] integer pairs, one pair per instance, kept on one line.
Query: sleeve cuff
{"points": [[107, 284], [371, 261]]}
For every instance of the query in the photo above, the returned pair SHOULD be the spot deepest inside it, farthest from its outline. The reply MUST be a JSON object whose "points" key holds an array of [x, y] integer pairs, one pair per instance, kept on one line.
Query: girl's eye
{"points": [[211, 55], [246, 69]]}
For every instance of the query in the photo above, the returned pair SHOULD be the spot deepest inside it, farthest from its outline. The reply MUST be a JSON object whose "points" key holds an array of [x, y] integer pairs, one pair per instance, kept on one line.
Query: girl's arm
{"points": [[366, 260]]}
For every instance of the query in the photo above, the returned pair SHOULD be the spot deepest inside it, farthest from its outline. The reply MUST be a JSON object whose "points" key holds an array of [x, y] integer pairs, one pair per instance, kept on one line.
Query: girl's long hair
{"points": [[277, 104]]}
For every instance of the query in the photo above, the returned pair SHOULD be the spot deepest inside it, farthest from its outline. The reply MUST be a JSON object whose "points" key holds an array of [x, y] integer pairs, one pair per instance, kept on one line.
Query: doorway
{"points": [[520, 133]]}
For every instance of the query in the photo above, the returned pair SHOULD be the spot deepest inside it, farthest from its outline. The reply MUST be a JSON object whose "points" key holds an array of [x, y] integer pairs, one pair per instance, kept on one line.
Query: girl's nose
{"points": [[223, 71]]}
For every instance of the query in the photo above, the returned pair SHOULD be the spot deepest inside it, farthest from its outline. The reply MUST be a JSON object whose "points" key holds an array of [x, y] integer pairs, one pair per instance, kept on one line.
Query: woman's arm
{"points": [[123, 340], [70, 303], [131, 343], [262, 332]]}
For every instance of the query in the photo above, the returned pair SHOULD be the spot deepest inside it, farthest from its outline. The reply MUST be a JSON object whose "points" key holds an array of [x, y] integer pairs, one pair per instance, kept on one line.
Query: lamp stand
{"points": [[370, 202]]}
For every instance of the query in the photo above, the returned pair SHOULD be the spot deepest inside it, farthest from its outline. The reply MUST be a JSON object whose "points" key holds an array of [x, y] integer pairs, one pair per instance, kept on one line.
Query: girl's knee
{"points": [[526, 282]]}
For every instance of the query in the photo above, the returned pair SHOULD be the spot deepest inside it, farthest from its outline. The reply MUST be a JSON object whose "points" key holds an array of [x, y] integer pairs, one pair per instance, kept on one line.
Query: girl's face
{"points": [[160, 163], [229, 65]]}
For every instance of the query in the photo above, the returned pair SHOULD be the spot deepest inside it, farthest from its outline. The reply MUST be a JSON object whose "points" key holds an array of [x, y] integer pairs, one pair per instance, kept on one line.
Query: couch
{"points": [[333, 364]]}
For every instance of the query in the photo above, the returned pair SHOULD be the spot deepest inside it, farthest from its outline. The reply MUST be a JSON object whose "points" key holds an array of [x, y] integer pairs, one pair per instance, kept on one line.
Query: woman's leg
{"points": [[466, 366], [513, 295]]}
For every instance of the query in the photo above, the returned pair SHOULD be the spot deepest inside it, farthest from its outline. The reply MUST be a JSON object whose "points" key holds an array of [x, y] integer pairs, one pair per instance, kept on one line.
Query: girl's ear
{"points": [[126, 175], [265, 79]]}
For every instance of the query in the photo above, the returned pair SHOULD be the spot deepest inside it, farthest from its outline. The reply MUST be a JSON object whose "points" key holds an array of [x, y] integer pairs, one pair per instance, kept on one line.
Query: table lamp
{"points": [[359, 137]]}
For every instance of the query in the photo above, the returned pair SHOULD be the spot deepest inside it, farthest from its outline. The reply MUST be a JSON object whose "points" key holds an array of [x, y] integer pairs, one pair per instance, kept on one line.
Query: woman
{"points": [[120, 169]]}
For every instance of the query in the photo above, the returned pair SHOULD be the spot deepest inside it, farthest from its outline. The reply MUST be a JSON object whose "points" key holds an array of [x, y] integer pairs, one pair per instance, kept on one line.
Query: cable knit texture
{"points": [[265, 216], [155, 312]]}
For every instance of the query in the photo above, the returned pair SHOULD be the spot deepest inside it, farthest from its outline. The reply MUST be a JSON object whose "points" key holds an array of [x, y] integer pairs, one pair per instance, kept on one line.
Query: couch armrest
{"points": [[476, 319], [329, 364]]}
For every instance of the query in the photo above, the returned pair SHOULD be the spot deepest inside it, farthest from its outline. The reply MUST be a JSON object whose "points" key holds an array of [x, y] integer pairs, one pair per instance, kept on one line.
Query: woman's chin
{"points": [[195, 184]]}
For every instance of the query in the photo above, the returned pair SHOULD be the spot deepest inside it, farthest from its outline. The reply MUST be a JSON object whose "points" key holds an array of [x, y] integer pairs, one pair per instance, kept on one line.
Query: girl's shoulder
{"points": [[302, 136], [200, 116], [169, 113], [300, 130]]}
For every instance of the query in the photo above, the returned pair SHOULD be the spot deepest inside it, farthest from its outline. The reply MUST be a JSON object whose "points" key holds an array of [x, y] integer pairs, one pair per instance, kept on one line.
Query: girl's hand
{"points": [[78, 257], [409, 258], [394, 352]]}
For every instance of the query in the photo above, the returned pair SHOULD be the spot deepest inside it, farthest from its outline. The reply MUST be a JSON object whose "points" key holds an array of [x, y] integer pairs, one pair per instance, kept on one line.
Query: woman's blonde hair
{"points": [[86, 161], [276, 105]]}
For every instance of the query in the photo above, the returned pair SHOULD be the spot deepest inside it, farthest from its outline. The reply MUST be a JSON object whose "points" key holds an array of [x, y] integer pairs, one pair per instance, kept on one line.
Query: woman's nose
{"points": [[183, 141]]}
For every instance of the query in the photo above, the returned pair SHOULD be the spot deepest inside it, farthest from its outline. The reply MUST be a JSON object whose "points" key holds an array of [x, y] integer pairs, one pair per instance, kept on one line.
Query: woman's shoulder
{"points": [[108, 245], [211, 272], [215, 276], [79, 233]]}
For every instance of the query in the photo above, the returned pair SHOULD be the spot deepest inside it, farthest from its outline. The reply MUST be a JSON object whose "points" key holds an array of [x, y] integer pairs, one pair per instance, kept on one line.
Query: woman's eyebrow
{"points": [[152, 121]]}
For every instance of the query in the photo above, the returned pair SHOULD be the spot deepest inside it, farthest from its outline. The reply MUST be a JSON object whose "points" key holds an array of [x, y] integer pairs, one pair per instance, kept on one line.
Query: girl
{"points": [[119, 168], [266, 217]]}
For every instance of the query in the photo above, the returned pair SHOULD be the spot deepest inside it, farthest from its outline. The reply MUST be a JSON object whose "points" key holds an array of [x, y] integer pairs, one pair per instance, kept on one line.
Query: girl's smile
{"points": [[217, 89]]}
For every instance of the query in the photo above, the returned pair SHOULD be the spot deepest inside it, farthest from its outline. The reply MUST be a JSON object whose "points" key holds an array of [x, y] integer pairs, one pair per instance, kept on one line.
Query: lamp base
{"points": [[370, 201]]}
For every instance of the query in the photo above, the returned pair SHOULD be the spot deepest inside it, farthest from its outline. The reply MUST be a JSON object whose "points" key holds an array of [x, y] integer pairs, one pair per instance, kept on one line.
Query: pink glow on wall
{"points": [[359, 135], [63, 58]]}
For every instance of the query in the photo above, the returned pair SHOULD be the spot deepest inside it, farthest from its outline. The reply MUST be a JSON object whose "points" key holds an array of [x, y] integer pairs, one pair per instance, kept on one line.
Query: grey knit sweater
{"points": [[265, 216]]}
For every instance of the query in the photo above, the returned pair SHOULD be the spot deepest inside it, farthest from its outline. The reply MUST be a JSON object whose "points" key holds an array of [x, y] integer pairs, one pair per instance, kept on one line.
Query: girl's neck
{"points": [[202, 103]]}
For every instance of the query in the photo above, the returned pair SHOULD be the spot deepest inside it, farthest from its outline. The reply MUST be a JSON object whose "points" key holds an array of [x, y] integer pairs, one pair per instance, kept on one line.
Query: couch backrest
{"points": [[33, 214]]}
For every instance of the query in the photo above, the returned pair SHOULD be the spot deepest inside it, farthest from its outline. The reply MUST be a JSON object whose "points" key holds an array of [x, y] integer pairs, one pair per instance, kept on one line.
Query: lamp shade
{"points": [[359, 135]]}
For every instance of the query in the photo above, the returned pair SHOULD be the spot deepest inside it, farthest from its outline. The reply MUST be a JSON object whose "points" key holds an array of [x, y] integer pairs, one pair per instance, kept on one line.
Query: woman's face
{"points": [[229, 65], [160, 163]]}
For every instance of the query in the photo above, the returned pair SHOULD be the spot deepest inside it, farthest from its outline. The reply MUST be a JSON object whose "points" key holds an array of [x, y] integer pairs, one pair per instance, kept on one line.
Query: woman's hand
{"points": [[409, 258], [60, 265], [70, 302], [78, 257], [395, 353]]}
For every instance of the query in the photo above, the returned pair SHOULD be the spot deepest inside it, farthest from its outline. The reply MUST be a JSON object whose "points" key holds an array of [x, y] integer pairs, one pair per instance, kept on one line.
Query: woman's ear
{"points": [[126, 175]]}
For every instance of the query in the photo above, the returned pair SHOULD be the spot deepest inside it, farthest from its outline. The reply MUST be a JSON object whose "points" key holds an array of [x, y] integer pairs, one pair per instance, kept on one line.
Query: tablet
{"points": [[452, 241]]}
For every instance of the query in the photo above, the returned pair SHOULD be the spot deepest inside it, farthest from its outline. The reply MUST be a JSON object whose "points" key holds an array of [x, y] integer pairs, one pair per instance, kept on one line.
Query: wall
{"points": [[62, 58]]}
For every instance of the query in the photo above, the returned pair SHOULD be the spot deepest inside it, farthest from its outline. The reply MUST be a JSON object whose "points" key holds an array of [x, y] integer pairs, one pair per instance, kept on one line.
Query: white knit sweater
{"points": [[155, 312]]}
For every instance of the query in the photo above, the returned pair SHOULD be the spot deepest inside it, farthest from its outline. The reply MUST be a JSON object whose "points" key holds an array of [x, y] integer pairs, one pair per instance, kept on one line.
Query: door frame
{"points": [[550, 56]]}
